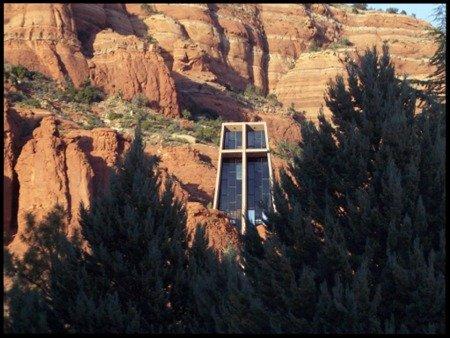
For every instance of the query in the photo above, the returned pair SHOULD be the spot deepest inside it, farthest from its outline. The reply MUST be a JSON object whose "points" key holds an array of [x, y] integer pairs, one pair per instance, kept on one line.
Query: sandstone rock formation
{"points": [[54, 169], [206, 48], [128, 65], [177, 55], [10, 134], [43, 37], [61, 40], [220, 233], [69, 168]]}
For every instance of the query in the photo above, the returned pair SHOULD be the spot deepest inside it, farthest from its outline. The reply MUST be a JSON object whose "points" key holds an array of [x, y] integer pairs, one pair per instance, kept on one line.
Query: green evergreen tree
{"points": [[222, 298], [368, 193], [132, 277], [436, 81]]}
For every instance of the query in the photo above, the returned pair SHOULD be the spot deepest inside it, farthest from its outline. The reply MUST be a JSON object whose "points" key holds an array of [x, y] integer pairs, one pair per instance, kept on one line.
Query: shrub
{"points": [[287, 150], [149, 9], [392, 10], [251, 91], [92, 122], [186, 114], [86, 94], [413, 15], [403, 12], [298, 116], [17, 97], [272, 100], [362, 7], [354, 10], [150, 39], [208, 131], [31, 102], [139, 100], [314, 46], [345, 41], [147, 125], [114, 116], [20, 72]]}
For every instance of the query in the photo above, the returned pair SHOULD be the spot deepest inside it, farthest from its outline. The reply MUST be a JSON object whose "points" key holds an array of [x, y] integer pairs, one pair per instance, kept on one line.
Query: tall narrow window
{"points": [[258, 190], [230, 199], [244, 142]]}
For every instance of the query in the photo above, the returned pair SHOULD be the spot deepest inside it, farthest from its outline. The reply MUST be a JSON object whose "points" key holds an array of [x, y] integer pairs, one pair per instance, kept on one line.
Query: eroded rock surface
{"points": [[202, 49], [66, 170], [177, 55]]}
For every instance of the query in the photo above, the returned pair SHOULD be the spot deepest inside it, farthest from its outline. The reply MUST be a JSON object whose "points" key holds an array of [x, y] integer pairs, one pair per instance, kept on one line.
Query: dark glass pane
{"points": [[233, 139], [258, 191], [256, 139], [238, 139], [231, 188]]}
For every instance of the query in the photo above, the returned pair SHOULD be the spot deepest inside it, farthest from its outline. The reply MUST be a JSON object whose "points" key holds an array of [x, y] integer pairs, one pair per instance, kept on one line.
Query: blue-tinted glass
{"points": [[233, 139], [256, 139], [238, 139], [258, 192], [231, 189]]}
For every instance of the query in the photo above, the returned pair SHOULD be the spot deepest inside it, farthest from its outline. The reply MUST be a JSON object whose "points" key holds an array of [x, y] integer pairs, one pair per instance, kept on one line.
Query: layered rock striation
{"points": [[178, 53]]}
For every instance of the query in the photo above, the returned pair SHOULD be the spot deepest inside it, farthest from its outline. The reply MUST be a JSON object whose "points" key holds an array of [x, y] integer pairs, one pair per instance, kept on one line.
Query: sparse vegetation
{"points": [[149, 9], [314, 46], [86, 94], [140, 100], [208, 130], [31, 102], [297, 115], [92, 121], [150, 39], [186, 114], [392, 10], [287, 150], [272, 101], [251, 92], [17, 97], [362, 7], [343, 42]]}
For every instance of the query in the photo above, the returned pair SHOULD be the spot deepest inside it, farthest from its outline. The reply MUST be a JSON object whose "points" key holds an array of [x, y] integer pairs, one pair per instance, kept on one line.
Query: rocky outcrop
{"points": [[43, 37], [66, 170], [410, 48], [10, 184], [194, 166], [220, 233], [71, 168], [85, 41], [130, 65]]}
